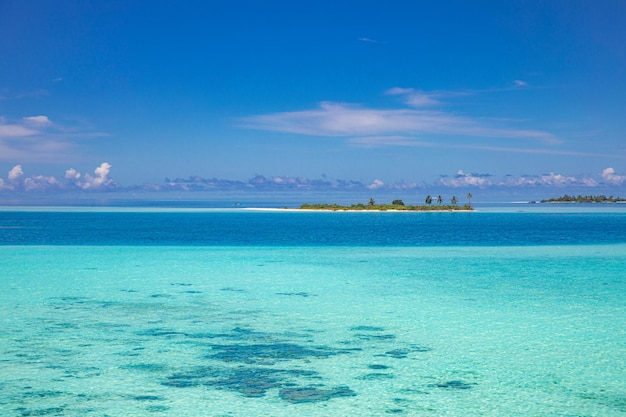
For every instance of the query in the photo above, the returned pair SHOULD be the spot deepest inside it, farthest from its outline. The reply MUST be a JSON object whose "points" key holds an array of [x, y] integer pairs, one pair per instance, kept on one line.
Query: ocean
{"points": [[214, 312]]}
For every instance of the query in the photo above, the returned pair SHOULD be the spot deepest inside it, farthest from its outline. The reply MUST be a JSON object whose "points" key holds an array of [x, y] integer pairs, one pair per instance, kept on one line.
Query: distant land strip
{"points": [[385, 207], [585, 199]]}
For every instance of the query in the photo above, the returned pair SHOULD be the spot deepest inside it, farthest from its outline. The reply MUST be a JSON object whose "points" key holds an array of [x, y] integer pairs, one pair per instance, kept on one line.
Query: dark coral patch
{"points": [[454, 384], [299, 294], [313, 394], [375, 376], [157, 408], [268, 354], [160, 332], [146, 367], [192, 377], [147, 398], [43, 394], [41, 411], [366, 329], [373, 337], [250, 382], [404, 353], [397, 353]]}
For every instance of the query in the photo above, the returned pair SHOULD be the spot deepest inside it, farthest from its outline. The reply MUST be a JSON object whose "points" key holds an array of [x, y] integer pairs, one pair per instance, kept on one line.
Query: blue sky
{"points": [[489, 97]]}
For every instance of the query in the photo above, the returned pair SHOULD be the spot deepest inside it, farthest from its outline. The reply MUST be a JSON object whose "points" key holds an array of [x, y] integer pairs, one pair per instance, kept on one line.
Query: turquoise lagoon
{"points": [[253, 313]]}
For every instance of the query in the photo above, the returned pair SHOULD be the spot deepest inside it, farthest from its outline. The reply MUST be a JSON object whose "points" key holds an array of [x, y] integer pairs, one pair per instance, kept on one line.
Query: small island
{"points": [[585, 199], [396, 205]]}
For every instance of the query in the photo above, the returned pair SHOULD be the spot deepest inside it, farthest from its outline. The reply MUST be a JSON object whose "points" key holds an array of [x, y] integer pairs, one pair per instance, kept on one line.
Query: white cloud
{"points": [[414, 98], [38, 139], [102, 171], [520, 83], [611, 177], [557, 179], [30, 126], [549, 180], [15, 131], [98, 182], [72, 174], [376, 184], [340, 120], [589, 182], [15, 173], [552, 179], [38, 120], [101, 180], [41, 182], [463, 179]]}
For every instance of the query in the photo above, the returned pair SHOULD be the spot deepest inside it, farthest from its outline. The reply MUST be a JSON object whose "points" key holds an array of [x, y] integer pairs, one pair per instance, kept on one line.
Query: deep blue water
{"points": [[241, 228]]}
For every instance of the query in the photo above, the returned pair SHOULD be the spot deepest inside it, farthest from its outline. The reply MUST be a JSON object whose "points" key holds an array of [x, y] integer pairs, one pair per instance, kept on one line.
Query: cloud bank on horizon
{"points": [[17, 181]]}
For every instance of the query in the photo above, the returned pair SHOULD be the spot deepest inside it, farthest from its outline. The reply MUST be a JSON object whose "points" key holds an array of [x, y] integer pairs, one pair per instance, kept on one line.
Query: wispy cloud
{"points": [[8, 95], [366, 39], [341, 120], [8, 131], [415, 98], [535, 151], [420, 122], [37, 138]]}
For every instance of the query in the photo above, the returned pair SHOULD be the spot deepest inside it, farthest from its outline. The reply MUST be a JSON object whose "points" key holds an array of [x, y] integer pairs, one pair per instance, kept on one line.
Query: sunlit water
{"points": [[317, 314]]}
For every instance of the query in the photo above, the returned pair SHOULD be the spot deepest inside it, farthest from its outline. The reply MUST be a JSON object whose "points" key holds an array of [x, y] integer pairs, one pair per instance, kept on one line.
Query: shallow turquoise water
{"points": [[277, 330]]}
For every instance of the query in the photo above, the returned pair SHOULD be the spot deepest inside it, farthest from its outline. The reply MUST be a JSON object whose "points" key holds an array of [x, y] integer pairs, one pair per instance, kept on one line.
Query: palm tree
{"points": [[453, 201], [371, 202], [439, 200], [429, 200], [469, 199]]}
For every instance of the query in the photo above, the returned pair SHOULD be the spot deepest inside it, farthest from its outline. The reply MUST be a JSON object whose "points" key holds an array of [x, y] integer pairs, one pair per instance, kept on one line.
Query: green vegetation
{"points": [[397, 205], [584, 199]]}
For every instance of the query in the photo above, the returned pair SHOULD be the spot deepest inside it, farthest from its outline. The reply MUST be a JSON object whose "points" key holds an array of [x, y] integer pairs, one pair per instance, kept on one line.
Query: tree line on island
{"points": [[397, 205], [584, 199]]}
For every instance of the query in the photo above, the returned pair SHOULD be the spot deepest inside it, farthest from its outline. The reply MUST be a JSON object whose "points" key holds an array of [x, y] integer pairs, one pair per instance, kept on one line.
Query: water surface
{"points": [[255, 313]]}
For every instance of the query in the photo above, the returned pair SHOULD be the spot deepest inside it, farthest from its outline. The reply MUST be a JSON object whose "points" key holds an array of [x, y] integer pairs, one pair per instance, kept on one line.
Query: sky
{"points": [[496, 98]]}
